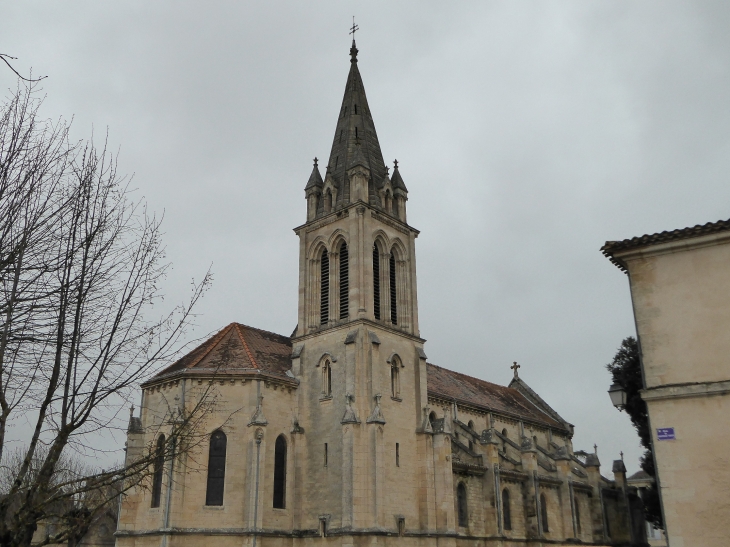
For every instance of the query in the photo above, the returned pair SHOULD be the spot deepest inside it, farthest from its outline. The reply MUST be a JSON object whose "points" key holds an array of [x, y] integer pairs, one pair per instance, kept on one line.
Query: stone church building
{"points": [[343, 433]]}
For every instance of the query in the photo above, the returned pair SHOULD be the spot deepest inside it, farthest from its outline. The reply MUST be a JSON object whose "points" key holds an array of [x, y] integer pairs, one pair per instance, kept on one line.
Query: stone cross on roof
{"points": [[514, 368]]}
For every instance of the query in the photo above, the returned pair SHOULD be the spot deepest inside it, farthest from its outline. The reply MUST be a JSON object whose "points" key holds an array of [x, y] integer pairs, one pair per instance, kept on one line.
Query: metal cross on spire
{"points": [[354, 28], [514, 367]]}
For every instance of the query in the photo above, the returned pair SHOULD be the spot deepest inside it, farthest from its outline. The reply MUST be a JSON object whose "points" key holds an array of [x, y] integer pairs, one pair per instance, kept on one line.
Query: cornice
{"points": [[345, 211]]}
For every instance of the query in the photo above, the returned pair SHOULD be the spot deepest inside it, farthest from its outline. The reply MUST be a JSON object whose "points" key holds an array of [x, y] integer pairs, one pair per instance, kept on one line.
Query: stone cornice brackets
{"points": [[350, 417], [258, 417], [376, 417]]}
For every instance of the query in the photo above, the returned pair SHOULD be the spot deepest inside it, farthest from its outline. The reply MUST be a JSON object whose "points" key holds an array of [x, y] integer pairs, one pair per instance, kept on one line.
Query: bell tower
{"points": [[356, 350], [357, 253]]}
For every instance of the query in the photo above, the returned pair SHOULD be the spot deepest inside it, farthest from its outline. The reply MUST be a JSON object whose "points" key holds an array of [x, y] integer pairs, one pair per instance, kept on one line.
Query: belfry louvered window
{"points": [[344, 282], [216, 468], [393, 292], [324, 295], [376, 282], [157, 471]]}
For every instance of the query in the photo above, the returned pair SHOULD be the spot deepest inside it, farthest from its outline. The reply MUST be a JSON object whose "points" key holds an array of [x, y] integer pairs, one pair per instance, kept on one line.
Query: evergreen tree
{"points": [[626, 372]]}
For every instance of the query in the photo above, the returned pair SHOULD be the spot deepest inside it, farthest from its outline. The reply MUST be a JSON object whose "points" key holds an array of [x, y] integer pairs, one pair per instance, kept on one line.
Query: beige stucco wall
{"points": [[681, 298]]}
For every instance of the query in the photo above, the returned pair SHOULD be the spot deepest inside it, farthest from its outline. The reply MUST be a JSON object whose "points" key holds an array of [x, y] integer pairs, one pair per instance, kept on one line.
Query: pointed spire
{"points": [[358, 158], [315, 179], [396, 180], [355, 125]]}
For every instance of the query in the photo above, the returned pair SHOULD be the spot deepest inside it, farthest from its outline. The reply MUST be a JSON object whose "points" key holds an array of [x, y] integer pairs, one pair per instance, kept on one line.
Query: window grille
{"points": [[344, 282], [324, 297], [157, 473], [393, 292], [216, 468], [461, 505], [506, 510], [376, 282], [280, 473]]}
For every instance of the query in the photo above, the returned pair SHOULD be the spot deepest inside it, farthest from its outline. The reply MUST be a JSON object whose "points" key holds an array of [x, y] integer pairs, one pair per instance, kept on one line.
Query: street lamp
{"points": [[618, 396]]}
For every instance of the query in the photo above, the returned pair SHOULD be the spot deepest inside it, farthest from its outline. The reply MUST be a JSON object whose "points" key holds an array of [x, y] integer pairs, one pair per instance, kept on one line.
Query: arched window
{"points": [[432, 418], [577, 515], [462, 509], [395, 378], [544, 513], [393, 292], [376, 281], [324, 296], [327, 378], [471, 424], [157, 471], [504, 442], [344, 282], [506, 510], [280, 473], [216, 468]]}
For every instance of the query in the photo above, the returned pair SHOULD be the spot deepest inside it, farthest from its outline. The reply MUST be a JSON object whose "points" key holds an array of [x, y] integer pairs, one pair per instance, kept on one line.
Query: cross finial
{"points": [[354, 28], [395, 163], [514, 368], [622, 456], [595, 449], [315, 161]]}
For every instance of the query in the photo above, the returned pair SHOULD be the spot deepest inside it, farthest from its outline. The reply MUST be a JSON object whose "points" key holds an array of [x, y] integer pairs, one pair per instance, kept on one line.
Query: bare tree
{"points": [[81, 265]]}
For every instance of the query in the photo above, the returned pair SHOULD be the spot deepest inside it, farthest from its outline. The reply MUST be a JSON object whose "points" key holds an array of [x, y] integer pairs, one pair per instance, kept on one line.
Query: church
{"points": [[344, 433]]}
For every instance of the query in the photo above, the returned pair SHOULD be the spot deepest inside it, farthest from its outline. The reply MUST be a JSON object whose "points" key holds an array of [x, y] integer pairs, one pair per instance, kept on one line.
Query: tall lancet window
{"points": [[376, 281], [157, 471], [393, 292], [216, 468], [324, 295], [280, 473], [344, 282]]}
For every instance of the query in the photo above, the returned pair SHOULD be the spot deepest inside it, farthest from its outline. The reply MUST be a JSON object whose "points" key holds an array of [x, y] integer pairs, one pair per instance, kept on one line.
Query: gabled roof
{"points": [[520, 385], [235, 349], [464, 389], [612, 247], [355, 123]]}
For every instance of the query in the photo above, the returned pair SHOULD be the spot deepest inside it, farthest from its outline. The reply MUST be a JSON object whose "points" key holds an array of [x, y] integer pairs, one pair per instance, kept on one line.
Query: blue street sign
{"points": [[665, 434]]}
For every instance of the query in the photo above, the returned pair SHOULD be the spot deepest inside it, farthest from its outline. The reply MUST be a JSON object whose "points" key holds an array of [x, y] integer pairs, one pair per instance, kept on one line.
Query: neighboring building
{"points": [[641, 480], [680, 289], [343, 434]]}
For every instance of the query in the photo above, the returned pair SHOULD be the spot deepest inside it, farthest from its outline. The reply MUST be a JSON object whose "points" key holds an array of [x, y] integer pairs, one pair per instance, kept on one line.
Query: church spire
{"points": [[355, 125]]}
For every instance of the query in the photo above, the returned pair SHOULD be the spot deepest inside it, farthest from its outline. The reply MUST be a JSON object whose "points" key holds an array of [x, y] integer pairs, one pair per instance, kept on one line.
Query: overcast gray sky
{"points": [[528, 133]]}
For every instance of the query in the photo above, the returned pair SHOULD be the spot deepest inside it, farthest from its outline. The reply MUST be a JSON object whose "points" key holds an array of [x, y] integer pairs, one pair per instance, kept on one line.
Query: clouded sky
{"points": [[528, 134]]}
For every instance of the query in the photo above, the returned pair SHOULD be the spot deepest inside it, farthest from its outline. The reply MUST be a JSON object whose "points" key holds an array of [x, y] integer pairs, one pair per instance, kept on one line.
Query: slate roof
{"points": [[453, 385], [612, 247], [235, 349], [355, 124]]}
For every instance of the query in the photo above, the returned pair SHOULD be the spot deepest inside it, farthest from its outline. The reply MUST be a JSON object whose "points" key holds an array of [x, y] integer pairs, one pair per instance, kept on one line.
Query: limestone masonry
{"points": [[343, 433]]}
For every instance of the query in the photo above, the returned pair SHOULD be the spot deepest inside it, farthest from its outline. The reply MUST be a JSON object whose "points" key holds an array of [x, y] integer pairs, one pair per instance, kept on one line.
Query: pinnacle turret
{"points": [[396, 180], [315, 179]]}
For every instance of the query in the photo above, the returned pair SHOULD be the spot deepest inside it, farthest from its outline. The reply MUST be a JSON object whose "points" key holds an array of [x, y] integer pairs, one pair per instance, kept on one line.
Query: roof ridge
{"points": [[213, 343], [262, 330], [473, 377], [245, 346]]}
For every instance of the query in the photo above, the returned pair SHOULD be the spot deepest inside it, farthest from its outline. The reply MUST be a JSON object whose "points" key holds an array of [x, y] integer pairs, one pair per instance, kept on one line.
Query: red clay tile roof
{"points": [[465, 389], [662, 237], [237, 348]]}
